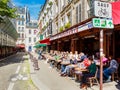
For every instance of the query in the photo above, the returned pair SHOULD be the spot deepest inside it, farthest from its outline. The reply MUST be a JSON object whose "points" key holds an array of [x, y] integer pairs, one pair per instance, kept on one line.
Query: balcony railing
{"points": [[90, 12]]}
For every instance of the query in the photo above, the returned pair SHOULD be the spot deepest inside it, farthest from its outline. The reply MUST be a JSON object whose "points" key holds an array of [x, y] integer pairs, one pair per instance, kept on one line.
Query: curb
{"points": [[35, 80]]}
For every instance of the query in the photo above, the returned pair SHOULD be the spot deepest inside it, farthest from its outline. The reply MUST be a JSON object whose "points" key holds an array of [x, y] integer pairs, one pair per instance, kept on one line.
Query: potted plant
{"points": [[67, 25], [61, 28]]}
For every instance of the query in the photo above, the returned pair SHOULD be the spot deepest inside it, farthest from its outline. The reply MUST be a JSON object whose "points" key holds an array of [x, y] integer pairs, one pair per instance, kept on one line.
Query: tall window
{"points": [[29, 31], [22, 22], [18, 22], [22, 29], [29, 39], [18, 35], [34, 39], [78, 13], [19, 29], [22, 35]]}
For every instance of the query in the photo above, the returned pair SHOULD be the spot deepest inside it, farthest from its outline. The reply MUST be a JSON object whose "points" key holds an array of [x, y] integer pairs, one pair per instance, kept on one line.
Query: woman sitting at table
{"points": [[91, 70], [104, 59]]}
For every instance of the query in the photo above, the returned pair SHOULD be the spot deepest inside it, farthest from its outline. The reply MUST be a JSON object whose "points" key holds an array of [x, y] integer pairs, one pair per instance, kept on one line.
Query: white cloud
{"points": [[28, 5]]}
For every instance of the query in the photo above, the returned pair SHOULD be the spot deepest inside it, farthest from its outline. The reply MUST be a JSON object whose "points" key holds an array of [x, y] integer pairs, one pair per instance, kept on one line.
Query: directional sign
{"points": [[102, 23], [102, 9]]}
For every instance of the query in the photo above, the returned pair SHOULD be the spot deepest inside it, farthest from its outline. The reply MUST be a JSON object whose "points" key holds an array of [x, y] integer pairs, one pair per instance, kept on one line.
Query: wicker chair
{"points": [[93, 80]]}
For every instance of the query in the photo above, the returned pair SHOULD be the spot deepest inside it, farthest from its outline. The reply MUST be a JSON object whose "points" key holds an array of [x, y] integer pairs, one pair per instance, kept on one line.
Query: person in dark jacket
{"points": [[90, 72]]}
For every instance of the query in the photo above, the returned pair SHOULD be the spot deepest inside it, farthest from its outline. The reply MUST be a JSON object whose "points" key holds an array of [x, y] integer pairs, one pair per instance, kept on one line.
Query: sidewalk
{"points": [[49, 79]]}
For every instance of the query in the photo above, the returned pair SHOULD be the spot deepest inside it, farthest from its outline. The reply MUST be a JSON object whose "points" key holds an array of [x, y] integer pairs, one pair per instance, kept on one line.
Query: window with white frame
{"points": [[29, 31], [29, 39], [22, 29], [34, 39]]}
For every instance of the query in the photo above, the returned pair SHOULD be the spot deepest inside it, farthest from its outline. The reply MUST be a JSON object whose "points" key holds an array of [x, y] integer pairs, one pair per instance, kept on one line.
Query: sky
{"points": [[33, 6]]}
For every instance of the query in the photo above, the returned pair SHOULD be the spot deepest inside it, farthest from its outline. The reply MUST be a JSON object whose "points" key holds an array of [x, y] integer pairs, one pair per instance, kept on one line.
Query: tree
{"points": [[6, 11]]}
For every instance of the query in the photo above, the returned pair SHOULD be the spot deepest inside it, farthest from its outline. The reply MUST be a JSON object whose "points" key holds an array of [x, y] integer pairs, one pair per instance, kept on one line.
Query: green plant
{"points": [[7, 11], [45, 14], [47, 23], [50, 3], [61, 28], [48, 8], [67, 25]]}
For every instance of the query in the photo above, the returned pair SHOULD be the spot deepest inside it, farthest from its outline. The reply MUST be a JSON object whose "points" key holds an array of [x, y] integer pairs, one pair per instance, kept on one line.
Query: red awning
{"points": [[20, 46], [116, 12], [45, 41]]}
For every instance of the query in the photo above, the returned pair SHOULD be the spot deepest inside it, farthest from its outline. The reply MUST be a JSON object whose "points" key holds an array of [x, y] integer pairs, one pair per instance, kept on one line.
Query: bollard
{"points": [[35, 64]]}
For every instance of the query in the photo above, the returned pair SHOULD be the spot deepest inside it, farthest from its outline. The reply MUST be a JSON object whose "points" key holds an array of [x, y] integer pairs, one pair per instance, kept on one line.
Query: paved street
{"points": [[14, 73]]}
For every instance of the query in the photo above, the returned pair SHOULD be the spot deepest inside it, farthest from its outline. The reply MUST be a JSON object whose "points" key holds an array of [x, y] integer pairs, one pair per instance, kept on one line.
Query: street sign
{"points": [[102, 23], [102, 9]]}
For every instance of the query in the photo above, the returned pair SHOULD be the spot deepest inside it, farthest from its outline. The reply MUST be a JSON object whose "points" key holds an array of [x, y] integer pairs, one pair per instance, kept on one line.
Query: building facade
{"points": [[8, 36], [72, 28], [21, 21], [31, 35]]}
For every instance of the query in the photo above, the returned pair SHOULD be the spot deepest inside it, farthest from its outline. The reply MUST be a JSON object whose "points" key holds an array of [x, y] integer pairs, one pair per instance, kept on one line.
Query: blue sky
{"points": [[33, 5]]}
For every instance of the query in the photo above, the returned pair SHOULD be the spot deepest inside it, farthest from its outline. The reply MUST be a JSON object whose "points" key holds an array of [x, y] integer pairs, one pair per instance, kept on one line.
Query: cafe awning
{"points": [[20, 46], [45, 41], [39, 45]]}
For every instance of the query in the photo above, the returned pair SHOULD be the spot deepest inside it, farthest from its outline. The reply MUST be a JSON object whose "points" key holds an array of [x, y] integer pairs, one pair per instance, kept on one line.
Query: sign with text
{"points": [[102, 9], [102, 23]]}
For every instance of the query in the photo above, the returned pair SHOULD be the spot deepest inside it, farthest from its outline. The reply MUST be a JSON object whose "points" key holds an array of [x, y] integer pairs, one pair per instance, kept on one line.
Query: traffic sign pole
{"points": [[101, 64]]}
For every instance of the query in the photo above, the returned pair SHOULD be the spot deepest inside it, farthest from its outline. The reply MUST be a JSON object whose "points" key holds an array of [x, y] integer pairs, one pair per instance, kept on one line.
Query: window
{"points": [[29, 31], [18, 22], [35, 31], [18, 29], [22, 35], [29, 39], [78, 13], [34, 39], [22, 22], [22, 29], [18, 35], [22, 17]]}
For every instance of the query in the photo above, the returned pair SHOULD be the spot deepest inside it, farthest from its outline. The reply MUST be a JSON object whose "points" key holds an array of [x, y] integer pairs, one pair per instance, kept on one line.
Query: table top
{"points": [[80, 69], [65, 62]]}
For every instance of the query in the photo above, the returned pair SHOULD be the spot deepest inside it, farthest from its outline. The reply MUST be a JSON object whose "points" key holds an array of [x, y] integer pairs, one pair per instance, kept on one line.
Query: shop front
{"points": [[82, 38]]}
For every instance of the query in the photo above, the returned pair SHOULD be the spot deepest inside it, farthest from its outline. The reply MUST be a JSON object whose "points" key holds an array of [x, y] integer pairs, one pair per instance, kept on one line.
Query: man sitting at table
{"points": [[91, 70], [111, 69]]}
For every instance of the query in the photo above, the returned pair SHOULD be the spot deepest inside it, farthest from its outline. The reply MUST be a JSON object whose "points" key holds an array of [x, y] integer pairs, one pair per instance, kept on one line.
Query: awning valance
{"points": [[39, 45], [20, 46], [45, 41]]}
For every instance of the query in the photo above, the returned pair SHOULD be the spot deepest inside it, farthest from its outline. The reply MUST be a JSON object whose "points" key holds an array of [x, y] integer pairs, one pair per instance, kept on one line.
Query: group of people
{"points": [[87, 62]]}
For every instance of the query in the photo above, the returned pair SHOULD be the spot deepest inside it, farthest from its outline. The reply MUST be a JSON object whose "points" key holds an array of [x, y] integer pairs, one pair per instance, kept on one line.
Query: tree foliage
{"points": [[6, 11]]}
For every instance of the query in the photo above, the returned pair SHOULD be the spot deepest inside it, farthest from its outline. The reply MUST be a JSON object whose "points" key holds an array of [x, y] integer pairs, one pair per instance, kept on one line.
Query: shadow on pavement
{"points": [[17, 58], [118, 85]]}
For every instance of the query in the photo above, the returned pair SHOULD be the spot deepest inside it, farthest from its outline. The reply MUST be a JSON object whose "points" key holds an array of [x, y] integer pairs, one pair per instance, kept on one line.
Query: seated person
{"points": [[104, 59], [66, 71], [83, 56], [111, 69], [91, 70]]}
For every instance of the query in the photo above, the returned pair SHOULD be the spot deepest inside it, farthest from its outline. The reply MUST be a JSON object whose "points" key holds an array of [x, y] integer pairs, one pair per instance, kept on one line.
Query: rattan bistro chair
{"points": [[93, 80]]}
